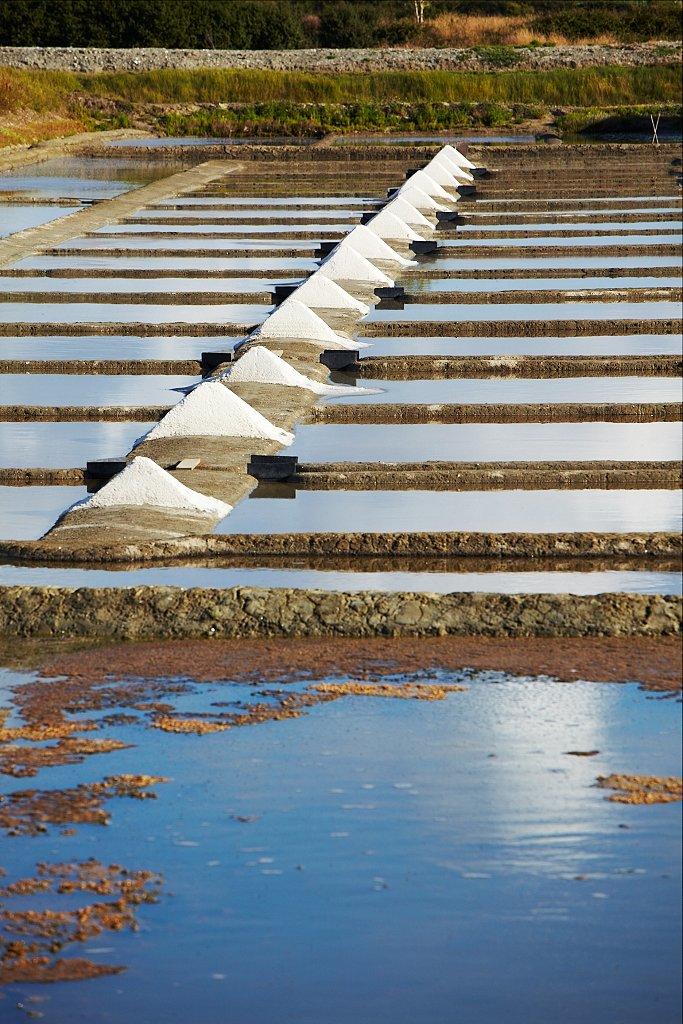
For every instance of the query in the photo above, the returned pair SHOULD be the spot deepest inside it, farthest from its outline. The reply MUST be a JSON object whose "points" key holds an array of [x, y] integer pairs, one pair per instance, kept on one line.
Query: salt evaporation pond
{"points": [[609, 227], [127, 313], [512, 511], [485, 311], [179, 263], [510, 284], [147, 285], [584, 241], [65, 445], [617, 344], [112, 347], [18, 218], [54, 389], [488, 442], [538, 263], [516, 390], [27, 512], [460, 823]]}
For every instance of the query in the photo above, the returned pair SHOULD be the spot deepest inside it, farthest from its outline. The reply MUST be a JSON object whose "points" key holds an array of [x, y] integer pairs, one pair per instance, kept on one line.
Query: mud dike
{"points": [[416, 392]]}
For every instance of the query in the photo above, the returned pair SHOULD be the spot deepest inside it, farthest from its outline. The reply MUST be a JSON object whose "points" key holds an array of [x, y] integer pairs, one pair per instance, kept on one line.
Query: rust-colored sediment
{"points": [[653, 662], [642, 789], [33, 937]]}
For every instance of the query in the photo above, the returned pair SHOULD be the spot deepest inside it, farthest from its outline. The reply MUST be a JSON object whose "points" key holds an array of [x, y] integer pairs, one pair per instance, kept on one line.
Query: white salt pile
{"points": [[142, 482], [346, 264], [321, 292], [445, 176], [408, 213], [428, 185], [417, 197], [390, 227], [213, 411], [261, 366], [368, 244], [443, 160], [295, 321], [457, 157]]}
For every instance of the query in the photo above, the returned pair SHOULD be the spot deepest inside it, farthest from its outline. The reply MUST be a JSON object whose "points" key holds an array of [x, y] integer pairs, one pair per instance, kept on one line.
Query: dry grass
{"points": [[463, 30]]}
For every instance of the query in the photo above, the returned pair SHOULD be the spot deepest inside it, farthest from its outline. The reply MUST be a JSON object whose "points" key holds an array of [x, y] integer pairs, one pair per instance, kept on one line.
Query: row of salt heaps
{"points": [[343, 285]]}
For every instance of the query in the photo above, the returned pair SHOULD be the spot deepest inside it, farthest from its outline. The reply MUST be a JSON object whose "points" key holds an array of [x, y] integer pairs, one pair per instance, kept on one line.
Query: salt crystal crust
{"points": [[143, 482], [261, 366], [213, 411], [346, 264]]}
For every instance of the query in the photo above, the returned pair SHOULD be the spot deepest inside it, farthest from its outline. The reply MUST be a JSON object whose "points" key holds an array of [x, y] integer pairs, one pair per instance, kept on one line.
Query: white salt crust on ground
{"points": [[370, 245], [321, 292], [391, 228], [294, 320], [142, 482], [346, 264], [417, 197], [457, 156], [428, 185], [409, 214], [259, 365], [210, 410]]}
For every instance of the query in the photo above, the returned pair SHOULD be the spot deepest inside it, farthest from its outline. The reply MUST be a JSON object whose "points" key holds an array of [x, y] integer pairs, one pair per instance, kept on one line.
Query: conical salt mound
{"points": [[292, 319], [417, 197], [388, 226], [444, 175], [321, 292], [142, 482], [346, 264], [370, 245], [457, 156], [443, 160], [408, 213], [261, 366], [428, 185], [213, 411]]}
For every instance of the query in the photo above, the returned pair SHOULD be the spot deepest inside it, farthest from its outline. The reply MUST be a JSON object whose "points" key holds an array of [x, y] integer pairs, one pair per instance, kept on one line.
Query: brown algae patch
{"points": [[408, 691], [642, 789], [30, 811], [31, 938]]}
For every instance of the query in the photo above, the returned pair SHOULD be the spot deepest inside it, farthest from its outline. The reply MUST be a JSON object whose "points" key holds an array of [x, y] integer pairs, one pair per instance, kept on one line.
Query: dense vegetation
{"points": [[288, 24], [219, 102]]}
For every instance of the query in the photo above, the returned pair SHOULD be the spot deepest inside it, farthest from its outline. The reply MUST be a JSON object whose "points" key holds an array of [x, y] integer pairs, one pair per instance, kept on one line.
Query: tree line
{"points": [[299, 24]]}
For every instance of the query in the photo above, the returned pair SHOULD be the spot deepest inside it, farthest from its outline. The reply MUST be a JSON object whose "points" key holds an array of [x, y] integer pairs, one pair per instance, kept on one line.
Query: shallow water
{"points": [[272, 214], [461, 824], [74, 177], [275, 201], [630, 344], [600, 582], [150, 242], [470, 511], [474, 442], [197, 263], [27, 512], [14, 217], [114, 347], [122, 285], [273, 226], [435, 312], [154, 142], [549, 263], [127, 313], [587, 241], [417, 285], [614, 227], [497, 389], [65, 445], [57, 389]]}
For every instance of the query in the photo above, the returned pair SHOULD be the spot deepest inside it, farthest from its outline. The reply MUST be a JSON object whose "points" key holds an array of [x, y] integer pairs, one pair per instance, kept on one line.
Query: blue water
{"points": [[14, 217], [406, 862], [65, 445]]}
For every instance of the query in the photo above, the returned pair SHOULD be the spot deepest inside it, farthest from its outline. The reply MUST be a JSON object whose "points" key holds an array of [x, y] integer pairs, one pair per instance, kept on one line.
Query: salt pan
{"points": [[368, 244], [321, 292], [292, 319], [143, 482], [210, 410], [262, 366], [346, 264], [388, 226]]}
